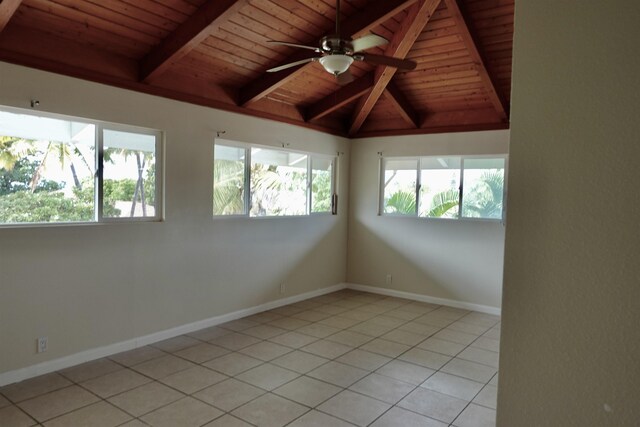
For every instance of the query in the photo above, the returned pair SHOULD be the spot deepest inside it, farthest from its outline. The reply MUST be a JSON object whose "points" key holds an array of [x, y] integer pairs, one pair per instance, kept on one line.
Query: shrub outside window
{"points": [[55, 169], [266, 182], [444, 187]]}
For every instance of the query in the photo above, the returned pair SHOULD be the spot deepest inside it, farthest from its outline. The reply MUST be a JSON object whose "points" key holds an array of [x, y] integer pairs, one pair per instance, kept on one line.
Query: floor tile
{"points": [[364, 359], [453, 385], [339, 322], [383, 388], [404, 337], [479, 355], [137, 356], [487, 344], [227, 421], [398, 417], [449, 348], [471, 370], [488, 396], [476, 416], [12, 416], [265, 350], [293, 339], [162, 366], [318, 419], [264, 332], [385, 348], [90, 370], [229, 394], [134, 423], [331, 309], [318, 330], [407, 372], [288, 323], [100, 414], [354, 408], [299, 361], [202, 352], [492, 333], [311, 315], [433, 404], [403, 314], [338, 374], [455, 336], [350, 338], [193, 379], [234, 341], [327, 349], [270, 411], [146, 398], [233, 363], [115, 383], [420, 328], [176, 344], [238, 325], [33, 387], [186, 412], [209, 334], [307, 391], [287, 310], [434, 320], [426, 358], [358, 315], [4, 401], [267, 376], [264, 317], [468, 328], [370, 328], [58, 402]]}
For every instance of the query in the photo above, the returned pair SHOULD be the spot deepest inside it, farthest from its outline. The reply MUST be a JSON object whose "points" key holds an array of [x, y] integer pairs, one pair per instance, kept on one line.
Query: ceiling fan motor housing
{"points": [[335, 45]]}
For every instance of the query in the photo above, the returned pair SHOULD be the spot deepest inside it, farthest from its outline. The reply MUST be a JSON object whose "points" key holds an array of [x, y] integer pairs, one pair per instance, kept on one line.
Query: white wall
{"points": [[89, 286], [571, 308], [456, 260]]}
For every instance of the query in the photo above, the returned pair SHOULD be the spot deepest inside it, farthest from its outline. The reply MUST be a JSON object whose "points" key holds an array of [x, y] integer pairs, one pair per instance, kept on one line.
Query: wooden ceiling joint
{"points": [[402, 105], [415, 21], [7, 10], [340, 98], [472, 44], [376, 12], [204, 22]]}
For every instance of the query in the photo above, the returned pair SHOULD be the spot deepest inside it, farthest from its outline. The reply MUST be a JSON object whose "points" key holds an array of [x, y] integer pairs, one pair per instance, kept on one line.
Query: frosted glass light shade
{"points": [[336, 64]]}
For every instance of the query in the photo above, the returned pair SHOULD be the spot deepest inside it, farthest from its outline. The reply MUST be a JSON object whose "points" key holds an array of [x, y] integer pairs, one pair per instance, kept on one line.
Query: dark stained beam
{"points": [[417, 17], [205, 21], [340, 98], [402, 105], [471, 43], [376, 12], [7, 9]]}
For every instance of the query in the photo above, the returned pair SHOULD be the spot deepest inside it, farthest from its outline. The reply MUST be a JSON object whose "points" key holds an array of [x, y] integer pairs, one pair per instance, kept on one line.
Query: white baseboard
{"points": [[111, 349], [425, 298], [21, 374]]}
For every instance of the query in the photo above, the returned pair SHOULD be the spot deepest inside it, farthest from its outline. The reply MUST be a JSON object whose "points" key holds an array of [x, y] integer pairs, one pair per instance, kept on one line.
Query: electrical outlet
{"points": [[388, 280], [283, 288], [42, 344]]}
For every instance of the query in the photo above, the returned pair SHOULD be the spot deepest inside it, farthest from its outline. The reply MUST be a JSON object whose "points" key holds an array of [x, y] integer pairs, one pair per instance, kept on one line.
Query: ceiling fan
{"points": [[338, 53]]}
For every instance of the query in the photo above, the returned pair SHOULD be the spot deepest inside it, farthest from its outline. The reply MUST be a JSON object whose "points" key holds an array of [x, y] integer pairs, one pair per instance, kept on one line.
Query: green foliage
{"points": [[321, 191], [43, 206], [18, 178], [444, 204], [485, 198], [401, 202], [228, 189]]}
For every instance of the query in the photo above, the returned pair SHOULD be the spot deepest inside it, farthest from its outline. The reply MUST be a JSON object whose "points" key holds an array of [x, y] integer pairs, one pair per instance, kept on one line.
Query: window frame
{"points": [[419, 159], [98, 179], [247, 147]]}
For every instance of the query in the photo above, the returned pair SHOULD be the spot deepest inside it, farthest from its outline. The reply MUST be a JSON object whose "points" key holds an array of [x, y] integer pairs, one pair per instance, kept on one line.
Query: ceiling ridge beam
{"points": [[416, 20], [7, 9], [402, 105], [377, 12], [204, 22], [340, 98], [471, 42]]}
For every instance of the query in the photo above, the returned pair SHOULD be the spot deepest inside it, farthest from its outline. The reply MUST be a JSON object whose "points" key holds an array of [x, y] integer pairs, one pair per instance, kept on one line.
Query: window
{"points": [[48, 170], [443, 187], [263, 182]]}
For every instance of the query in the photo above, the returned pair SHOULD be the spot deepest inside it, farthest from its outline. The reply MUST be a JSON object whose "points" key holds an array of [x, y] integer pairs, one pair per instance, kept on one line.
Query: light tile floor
{"points": [[342, 359]]}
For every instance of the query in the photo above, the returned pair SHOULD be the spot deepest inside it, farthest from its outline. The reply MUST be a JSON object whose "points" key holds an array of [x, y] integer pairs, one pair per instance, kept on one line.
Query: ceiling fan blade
{"points": [[368, 41], [402, 64], [293, 64], [301, 46], [344, 78]]}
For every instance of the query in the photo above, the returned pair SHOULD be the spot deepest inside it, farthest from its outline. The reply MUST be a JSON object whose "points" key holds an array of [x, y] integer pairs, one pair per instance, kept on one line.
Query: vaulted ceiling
{"points": [[216, 53]]}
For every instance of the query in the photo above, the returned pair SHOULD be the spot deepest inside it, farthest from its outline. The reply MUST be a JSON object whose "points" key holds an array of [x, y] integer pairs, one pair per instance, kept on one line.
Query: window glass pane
{"points": [[129, 174], [228, 180], [483, 188], [278, 183], [439, 187], [400, 179], [46, 169], [321, 184]]}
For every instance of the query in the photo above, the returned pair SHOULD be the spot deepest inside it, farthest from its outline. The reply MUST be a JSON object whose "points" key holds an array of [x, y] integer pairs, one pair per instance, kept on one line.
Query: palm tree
{"points": [[401, 202], [486, 197]]}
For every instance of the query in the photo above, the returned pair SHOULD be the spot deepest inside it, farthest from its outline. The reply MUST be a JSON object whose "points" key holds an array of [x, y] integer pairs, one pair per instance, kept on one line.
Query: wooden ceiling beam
{"points": [[340, 98], [471, 42], [204, 22], [376, 12], [415, 21], [7, 10], [402, 105]]}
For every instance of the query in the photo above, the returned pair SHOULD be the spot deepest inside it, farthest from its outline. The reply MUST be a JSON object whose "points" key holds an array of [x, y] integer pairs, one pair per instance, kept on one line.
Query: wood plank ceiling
{"points": [[216, 53]]}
